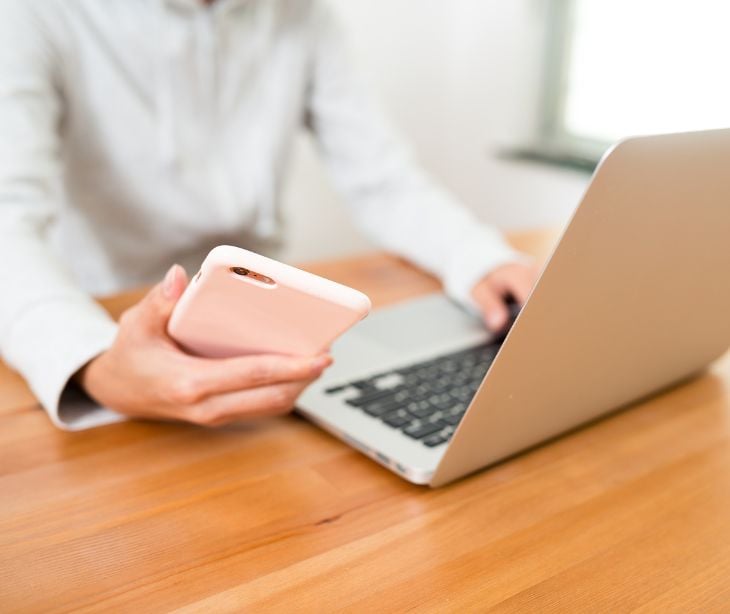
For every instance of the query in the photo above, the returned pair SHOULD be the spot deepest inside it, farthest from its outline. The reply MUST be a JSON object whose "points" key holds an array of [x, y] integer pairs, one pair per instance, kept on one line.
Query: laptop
{"points": [[634, 299]]}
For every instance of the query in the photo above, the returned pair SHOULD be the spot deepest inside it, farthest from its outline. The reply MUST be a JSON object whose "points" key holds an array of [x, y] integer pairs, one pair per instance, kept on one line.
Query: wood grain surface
{"points": [[629, 515]]}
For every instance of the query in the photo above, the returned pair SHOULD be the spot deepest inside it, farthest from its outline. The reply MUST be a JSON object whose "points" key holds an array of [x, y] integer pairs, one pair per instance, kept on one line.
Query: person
{"points": [[137, 133]]}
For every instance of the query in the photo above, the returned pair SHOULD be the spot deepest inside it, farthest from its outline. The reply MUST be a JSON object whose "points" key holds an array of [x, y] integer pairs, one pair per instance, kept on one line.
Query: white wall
{"points": [[460, 79]]}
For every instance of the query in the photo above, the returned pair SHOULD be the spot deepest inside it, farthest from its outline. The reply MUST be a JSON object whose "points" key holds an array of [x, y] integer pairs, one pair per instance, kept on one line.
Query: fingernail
{"points": [[495, 322], [322, 361], [168, 284]]}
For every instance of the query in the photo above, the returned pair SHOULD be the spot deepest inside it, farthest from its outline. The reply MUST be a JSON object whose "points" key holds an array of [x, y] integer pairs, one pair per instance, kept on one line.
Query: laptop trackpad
{"points": [[419, 326]]}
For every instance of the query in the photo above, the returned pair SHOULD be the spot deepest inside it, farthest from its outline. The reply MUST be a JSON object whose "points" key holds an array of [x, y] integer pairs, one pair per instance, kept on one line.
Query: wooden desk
{"points": [[630, 514]]}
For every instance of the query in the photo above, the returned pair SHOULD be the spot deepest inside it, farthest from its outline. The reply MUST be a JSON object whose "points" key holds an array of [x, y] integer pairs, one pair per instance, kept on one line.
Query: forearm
{"points": [[418, 219], [49, 328]]}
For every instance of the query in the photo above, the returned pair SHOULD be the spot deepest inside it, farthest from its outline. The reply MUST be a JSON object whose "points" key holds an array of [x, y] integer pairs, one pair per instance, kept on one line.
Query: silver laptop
{"points": [[635, 298]]}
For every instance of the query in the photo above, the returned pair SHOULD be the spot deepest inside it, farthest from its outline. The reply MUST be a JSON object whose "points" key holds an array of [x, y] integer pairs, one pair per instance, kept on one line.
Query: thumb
{"points": [[156, 307]]}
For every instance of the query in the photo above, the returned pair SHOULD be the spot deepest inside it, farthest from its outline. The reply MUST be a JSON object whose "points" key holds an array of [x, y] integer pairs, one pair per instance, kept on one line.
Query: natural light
{"points": [[647, 66]]}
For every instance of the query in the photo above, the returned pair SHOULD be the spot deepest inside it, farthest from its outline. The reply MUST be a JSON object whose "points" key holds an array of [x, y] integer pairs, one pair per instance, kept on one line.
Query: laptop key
{"points": [[420, 409], [369, 396], [381, 407], [461, 392], [397, 418], [443, 384], [453, 419], [363, 384], [435, 440], [441, 401], [419, 430]]}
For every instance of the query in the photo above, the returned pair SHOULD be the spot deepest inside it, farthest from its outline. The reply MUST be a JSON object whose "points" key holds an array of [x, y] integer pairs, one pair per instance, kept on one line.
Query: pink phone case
{"points": [[274, 308]]}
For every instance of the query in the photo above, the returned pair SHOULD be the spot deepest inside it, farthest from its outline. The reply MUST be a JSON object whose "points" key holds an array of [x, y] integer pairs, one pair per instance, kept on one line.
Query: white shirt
{"points": [[139, 133]]}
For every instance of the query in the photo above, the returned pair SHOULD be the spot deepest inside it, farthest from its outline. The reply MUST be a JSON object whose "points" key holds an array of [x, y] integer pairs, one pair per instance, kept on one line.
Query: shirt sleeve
{"points": [[392, 200], [49, 328]]}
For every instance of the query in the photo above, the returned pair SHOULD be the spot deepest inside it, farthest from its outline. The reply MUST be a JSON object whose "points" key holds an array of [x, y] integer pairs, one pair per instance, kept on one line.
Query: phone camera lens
{"points": [[239, 270]]}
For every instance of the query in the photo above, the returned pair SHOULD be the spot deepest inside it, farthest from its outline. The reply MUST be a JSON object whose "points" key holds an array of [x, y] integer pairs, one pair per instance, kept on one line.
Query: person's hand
{"points": [[492, 291], [144, 374]]}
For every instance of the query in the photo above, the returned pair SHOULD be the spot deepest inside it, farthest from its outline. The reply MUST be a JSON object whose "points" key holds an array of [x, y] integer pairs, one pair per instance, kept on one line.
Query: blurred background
{"points": [[511, 104]]}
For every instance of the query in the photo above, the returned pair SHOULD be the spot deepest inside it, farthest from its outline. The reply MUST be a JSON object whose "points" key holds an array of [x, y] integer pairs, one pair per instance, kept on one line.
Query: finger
{"points": [[246, 404], [209, 377], [493, 307], [519, 286], [154, 310]]}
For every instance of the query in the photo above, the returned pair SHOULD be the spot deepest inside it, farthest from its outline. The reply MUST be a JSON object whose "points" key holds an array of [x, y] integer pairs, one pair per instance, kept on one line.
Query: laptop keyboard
{"points": [[426, 401]]}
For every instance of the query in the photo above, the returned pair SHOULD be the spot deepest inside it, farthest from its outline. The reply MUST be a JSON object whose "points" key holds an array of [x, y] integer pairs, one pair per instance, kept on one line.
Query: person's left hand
{"points": [[491, 292]]}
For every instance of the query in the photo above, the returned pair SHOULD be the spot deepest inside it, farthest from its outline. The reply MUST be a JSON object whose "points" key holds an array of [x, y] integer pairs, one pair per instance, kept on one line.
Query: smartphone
{"points": [[244, 303]]}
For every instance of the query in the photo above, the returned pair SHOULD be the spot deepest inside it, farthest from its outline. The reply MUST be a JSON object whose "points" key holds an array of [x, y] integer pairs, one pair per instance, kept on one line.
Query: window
{"points": [[628, 67]]}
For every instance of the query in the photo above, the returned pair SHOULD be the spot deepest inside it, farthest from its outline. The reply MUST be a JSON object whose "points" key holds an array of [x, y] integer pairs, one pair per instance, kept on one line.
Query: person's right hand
{"points": [[144, 374]]}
